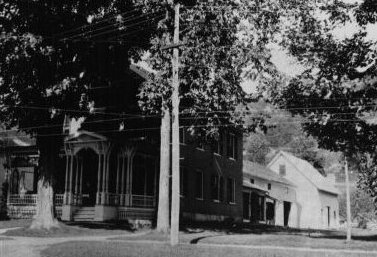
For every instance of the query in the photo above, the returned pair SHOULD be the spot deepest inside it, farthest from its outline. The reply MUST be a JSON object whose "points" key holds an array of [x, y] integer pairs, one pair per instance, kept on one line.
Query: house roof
{"points": [[247, 184], [252, 169], [306, 169]]}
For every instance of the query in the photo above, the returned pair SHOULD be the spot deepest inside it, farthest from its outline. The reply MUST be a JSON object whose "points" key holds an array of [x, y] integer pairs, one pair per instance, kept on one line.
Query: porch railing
{"points": [[114, 199], [24, 206], [26, 199], [142, 201], [139, 201]]}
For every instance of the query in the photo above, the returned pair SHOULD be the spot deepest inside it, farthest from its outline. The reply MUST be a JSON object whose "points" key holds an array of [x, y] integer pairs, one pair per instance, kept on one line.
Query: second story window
{"points": [[183, 185], [182, 136], [269, 186], [232, 150], [252, 181], [200, 145], [218, 145], [282, 170]]}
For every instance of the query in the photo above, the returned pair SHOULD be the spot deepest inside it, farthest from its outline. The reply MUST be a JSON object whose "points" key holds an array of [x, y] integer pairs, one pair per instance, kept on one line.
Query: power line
{"points": [[107, 29], [96, 23]]}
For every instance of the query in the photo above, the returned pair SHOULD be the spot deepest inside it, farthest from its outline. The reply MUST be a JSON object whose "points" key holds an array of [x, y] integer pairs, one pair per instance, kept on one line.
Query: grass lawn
{"points": [[14, 223], [73, 229], [362, 239], [137, 249], [291, 241]]}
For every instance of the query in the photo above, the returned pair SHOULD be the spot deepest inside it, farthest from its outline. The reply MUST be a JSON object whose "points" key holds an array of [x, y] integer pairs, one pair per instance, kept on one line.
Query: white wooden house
{"points": [[316, 203]]}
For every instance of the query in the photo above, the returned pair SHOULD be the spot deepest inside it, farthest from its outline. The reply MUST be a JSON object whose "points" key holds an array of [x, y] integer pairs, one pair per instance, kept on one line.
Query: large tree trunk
{"points": [[163, 199], [48, 150]]}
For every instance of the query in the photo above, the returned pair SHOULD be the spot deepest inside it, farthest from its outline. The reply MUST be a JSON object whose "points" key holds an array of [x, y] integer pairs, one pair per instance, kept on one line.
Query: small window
{"points": [[282, 170], [217, 185], [231, 190], [269, 186], [183, 178], [199, 185], [252, 181]]}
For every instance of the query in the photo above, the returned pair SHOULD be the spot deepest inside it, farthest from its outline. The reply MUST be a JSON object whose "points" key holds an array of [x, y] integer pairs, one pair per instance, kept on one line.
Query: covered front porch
{"points": [[258, 206], [105, 180], [98, 180]]}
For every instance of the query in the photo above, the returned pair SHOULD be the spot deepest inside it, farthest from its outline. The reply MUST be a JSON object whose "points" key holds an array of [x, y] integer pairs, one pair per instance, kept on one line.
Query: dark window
{"points": [[182, 135], [282, 170], [269, 186], [221, 189], [232, 146], [183, 185], [217, 188], [199, 185], [230, 190], [218, 145], [252, 181], [200, 145]]}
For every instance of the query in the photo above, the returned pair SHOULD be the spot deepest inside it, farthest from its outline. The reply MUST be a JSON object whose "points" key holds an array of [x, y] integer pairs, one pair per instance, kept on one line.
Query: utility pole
{"points": [[174, 227], [348, 200]]}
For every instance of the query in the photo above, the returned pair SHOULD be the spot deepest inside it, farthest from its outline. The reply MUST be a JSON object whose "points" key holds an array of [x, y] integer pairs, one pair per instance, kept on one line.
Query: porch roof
{"points": [[252, 169], [246, 184]]}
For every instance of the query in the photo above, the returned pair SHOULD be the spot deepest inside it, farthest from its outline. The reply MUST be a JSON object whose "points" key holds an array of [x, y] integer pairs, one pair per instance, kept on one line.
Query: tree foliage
{"points": [[224, 41], [337, 91], [362, 206], [57, 59]]}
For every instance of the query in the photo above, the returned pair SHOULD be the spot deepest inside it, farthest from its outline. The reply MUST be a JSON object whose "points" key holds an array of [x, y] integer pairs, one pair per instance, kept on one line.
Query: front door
{"points": [[90, 173]]}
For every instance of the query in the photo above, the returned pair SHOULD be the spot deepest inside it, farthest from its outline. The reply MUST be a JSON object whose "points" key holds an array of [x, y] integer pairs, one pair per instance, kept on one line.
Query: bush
{"points": [[3, 201]]}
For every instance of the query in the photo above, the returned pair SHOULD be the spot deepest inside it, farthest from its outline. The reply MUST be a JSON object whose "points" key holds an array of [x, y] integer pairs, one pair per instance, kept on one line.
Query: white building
{"points": [[316, 204], [267, 196]]}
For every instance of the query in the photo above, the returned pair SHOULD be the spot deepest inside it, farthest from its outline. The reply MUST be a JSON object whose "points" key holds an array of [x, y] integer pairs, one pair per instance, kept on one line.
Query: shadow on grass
{"points": [[102, 225], [67, 229], [367, 238]]}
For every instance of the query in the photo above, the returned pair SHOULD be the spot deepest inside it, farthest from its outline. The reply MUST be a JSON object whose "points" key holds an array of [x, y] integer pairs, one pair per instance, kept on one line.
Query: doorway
{"points": [[287, 210], [246, 205], [89, 176]]}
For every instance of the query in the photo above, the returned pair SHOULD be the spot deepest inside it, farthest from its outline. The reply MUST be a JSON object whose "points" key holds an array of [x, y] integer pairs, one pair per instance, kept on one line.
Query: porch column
{"points": [[98, 200], [249, 206], [103, 196], [107, 178], [10, 182], [81, 170], [122, 181], [77, 180], [265, 209], [129, 179], [65, 199], [117, 179], [155, 185], [70, 180]]}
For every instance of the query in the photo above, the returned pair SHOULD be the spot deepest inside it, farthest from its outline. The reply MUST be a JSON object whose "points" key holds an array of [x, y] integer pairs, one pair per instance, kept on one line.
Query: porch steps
{"points": [[84, 214]]}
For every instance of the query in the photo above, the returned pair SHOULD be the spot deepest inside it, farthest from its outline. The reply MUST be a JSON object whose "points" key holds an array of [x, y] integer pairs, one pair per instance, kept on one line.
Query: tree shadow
{"points": [[116, 225]]}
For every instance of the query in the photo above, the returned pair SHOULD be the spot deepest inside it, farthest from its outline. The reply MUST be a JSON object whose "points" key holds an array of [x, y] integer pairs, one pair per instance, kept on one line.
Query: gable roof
{"points": [[252, 169], [308, 171]]}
